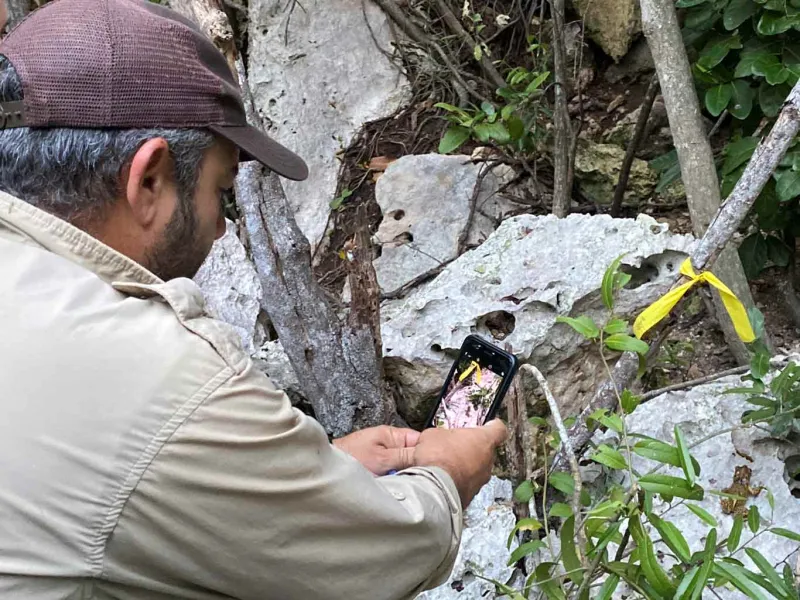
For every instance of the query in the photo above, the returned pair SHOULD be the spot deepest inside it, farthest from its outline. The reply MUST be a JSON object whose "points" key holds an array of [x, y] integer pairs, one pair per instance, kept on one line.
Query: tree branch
{"points": [[563, 154]]}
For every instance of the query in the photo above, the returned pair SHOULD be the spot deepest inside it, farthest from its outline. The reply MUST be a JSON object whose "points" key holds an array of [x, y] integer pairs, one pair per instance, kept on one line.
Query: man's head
{"points": [[131, 131]]}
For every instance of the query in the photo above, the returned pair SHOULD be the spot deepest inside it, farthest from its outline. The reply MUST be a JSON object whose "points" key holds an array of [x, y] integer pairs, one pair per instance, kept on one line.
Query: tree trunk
{"points": [[562, 159], [660, 24], [17, 10], [337, 363]]}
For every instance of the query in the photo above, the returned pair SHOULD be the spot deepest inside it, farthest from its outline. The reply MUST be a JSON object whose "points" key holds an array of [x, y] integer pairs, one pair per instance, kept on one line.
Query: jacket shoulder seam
{"points": [[96, 556]]}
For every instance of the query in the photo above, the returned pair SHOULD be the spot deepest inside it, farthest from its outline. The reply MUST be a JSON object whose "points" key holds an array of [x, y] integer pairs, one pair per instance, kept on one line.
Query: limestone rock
{"points": [[511, 289], [275, 363], [425, 200], [611, 24], [638, 61], [487, 522], [318, 77], [231, 288], [597, 168]]}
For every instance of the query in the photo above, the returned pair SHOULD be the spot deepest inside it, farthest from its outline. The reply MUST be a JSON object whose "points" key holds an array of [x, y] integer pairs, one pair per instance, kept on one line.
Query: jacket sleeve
{"points": [[248, 498]]}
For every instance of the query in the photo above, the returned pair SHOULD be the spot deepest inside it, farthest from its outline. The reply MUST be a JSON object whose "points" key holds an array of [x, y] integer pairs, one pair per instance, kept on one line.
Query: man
{"points": [[141, 453]]}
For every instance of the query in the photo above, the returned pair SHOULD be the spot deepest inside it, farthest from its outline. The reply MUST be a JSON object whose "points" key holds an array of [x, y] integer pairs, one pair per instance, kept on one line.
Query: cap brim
{"points": [[256, 145]]}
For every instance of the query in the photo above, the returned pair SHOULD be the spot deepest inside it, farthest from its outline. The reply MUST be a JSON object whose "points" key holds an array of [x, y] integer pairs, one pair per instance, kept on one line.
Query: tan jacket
{"points": [[143, 456]]}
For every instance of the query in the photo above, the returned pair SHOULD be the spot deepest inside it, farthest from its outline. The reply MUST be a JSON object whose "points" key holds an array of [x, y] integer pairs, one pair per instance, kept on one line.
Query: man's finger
{"points": [[497, 430], [403, 437], [401, 458]]}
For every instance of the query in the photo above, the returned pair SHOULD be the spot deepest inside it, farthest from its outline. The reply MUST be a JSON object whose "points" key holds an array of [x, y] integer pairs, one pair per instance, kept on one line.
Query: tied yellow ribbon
{"points": [[473, 366], [662, 307]]}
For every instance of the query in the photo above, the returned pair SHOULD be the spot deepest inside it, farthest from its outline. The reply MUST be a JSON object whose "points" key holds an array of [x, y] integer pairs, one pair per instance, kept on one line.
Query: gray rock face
{"points": [[701, 412], [512, 288], [317, 77], [231, 288], [487, 522], [425, 200]]}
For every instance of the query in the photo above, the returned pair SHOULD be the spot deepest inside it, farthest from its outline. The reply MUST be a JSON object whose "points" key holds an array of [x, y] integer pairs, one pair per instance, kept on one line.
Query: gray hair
{"points": [[74, 173]]}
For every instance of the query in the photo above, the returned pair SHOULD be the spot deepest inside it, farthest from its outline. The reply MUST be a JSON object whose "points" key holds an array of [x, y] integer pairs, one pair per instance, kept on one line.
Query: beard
{"points": [[179, 252]]}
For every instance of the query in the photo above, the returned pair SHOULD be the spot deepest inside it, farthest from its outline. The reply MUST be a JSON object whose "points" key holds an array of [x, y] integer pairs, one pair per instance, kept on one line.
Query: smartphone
{"points": [[475, 386]]}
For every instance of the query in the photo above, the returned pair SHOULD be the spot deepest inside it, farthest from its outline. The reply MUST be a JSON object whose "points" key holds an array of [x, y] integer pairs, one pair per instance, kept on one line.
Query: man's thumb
{"points": [[497, 430]]}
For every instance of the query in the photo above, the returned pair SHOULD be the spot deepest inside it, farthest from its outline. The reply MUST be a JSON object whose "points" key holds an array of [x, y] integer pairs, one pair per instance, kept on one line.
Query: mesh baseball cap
{"points": [[129, 64]]}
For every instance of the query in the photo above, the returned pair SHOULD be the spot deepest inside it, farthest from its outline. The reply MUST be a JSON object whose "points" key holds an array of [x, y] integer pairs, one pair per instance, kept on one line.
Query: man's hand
{"points": [[381, 449], [466, 454]]}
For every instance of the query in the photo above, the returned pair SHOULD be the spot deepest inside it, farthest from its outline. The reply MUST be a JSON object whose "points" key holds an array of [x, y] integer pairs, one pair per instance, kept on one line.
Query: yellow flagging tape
{"points": [[662, 307], [473, 366]]}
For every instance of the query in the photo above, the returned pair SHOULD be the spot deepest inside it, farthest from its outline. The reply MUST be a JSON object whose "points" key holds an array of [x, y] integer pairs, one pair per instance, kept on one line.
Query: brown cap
{"points": [[129, 64]]}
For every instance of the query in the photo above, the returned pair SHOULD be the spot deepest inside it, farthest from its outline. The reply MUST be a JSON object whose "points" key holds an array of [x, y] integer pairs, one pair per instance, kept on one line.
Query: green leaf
{"points": [[742, 99], [608, 419], [537, 82], [703, 515], [759, 365], [672, 537], [608, 588], [544, 579], [768, 570], [561, 510], [626, 343], [737, 12], [689, 3], [608, 456], [788, 575], [629, 401], [653, 572], [738, 153], [524, 491], [785, 533], [607, 287], [686, 458], [718, 97], [492, 131], [610, 534], [771, 98], [671, 486], [738, 577], [774, 24], [563, 482], [736, 533], [477, 52], [771, 500], [753, 253], [516, 128], [569, 555], [778, 252], [708, 565], [616, 326], [753, 519], [452, 109], [754, 62], [687, 583], [453, 138], [658, 451], [715, 51], [788, 187], [528, 524], [583, 325], [524, 550], [702, 18]]}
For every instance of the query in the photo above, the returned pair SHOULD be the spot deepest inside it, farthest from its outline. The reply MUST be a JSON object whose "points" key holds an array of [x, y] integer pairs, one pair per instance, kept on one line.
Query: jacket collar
{"points": [[23, 220]]}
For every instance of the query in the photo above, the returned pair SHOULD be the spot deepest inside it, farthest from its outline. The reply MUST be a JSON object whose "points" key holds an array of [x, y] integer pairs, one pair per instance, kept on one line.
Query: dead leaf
{"points": [[380, 163]]}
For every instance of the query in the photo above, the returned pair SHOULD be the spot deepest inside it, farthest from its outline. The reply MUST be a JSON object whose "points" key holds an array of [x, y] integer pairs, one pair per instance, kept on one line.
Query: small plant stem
{"points": [[694, 382]]}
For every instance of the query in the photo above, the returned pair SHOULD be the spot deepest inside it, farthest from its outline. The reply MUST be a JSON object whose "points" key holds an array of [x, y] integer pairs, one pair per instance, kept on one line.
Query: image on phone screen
{"points": [[469, 396]]}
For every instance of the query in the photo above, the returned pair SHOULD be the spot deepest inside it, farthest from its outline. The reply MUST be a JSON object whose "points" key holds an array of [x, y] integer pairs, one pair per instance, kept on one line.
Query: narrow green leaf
{"points": [[786, 533], [759, 365], [616, 326], [687, 583], [583, 325], [736, 533], [685, 457], [788, 576], [569, 555], [689, 3], [608, 588], [769, 571], [626, 343], [648, 560], [671, 486], [561, 510], [738, 577], [524, 550], [608, 456], [629, 401], [753, 519], [672, 537], [524, 491], [660, 452], [452, 109], [492, 131], [718, 97], [771, 500], [544, 579], [708, 565], [607, 286], [528, 524], [453, 138], [702, 514]]}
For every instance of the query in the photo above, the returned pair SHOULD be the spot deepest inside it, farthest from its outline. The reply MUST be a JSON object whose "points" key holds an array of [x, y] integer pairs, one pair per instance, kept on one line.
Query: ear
{"points": [[150, 179]]}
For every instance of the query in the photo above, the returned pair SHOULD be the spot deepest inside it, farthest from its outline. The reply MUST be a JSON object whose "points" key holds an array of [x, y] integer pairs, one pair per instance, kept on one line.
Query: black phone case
{"points": [[477, 341]]}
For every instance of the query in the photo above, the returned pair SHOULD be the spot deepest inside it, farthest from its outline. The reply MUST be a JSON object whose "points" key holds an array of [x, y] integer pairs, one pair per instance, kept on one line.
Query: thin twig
{"points": [[484, 170], [633, 145], [573, 462], [694, 382]]}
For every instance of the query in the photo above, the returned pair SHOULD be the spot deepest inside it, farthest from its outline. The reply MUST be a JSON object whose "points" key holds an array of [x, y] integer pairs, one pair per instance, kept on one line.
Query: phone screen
{"points": [[470, 393]]}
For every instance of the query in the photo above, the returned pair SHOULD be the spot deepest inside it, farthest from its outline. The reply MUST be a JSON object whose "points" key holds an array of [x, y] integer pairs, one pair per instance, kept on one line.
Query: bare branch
{"points": [[563, 151]]}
